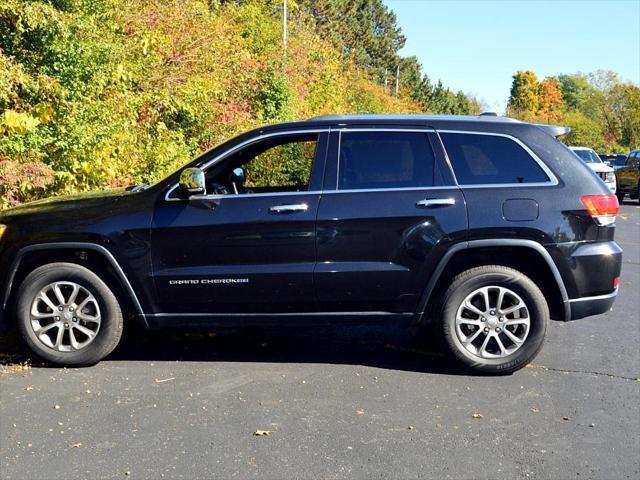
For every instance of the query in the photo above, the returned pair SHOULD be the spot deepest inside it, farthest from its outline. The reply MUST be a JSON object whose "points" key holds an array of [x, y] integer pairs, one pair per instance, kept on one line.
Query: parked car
{"points": [[476, 229], [615, 160], [604, 171], [628, 177]]}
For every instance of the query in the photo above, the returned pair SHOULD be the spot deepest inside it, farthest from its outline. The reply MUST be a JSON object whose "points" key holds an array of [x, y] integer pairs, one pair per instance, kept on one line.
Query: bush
{"points": [[101, 93]]}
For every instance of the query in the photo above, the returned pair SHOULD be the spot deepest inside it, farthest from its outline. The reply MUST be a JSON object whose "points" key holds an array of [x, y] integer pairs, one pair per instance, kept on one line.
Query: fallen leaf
{"points": [[410, 427], [262, 433], [57, 407], [477, 415], [566, 419], [29, 388], [76, 445], [535, 409], [359, 412], [165, 380]]}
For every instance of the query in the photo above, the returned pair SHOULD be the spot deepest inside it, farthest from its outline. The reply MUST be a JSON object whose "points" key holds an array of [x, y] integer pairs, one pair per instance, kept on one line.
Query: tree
{"points": [[524, 100], [584, 132], [364, 30], [550, 103], [575, 90]]}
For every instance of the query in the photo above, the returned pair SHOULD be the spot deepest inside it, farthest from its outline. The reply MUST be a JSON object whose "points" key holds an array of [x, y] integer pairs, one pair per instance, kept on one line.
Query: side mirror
{"points": [[607, 163], [192, 181], [237, 178]]}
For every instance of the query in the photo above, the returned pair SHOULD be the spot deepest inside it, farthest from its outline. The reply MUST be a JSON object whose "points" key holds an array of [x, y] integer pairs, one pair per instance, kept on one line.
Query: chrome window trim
{"points": [[342, 130], [398, 189], [218, 196], [553, 180], [249, 141]]}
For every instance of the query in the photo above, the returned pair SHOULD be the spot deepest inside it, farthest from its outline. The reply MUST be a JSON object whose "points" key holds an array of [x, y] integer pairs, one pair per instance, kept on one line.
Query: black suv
{"points": [[481, 228]]}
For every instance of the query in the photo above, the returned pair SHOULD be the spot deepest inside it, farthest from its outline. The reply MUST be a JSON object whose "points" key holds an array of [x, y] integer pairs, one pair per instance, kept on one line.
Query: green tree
{"points": [[575, 90], [584, 132], [364, 30]]}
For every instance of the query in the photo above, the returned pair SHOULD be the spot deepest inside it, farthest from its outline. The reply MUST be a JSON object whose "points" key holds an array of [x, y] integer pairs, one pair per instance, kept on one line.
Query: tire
{"points": [[505, 356], [620, 196], [100, 315]]}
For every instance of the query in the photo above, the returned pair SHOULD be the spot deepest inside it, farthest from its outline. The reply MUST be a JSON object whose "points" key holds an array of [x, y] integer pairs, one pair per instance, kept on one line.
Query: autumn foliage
{"points": [[106, 93], [603, 111]]}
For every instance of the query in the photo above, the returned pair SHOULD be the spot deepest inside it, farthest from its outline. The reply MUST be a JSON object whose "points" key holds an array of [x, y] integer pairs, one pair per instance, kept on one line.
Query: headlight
{"points": [[3, 228], [610, 177]]}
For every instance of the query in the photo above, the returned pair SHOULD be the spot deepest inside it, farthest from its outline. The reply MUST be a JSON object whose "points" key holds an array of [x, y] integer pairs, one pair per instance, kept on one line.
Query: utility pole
{"points": [[284, 30], [397, 79]]}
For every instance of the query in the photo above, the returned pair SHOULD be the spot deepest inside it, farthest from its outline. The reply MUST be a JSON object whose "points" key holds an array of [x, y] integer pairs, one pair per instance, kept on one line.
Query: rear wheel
{"points": [[620, 196], [67, 315], [493, 319]]}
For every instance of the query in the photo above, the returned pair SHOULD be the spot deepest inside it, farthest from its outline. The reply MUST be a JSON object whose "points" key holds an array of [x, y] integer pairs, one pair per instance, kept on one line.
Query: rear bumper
{"points": [[588, 306], [589, 271]]}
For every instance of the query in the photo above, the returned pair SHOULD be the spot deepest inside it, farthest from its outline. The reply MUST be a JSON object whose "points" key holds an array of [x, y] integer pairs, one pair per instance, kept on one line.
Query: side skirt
{"points": [[172, 320]]}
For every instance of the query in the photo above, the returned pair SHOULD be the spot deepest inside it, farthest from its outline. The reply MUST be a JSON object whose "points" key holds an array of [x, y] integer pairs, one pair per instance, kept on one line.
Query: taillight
{"points": [[616, 282], [603, 208]]}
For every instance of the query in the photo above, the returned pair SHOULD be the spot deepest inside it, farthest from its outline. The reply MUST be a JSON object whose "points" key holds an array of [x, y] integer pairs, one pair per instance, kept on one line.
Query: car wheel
{"points": [[67, 315], [493, 319], [620, 196]]}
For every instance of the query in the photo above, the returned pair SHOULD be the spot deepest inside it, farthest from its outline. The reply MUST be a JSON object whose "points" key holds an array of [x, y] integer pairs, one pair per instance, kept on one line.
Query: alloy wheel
{"points": [[65, 316], [492, 322]]}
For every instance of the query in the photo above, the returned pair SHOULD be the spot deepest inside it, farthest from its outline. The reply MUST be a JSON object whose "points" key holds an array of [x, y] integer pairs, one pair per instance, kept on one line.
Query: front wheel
{"points": [[67, 315], [493, 319]]}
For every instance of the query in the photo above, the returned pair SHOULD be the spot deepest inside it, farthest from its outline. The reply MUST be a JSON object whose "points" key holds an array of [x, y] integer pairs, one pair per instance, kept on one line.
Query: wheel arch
{"points": [[72, 252], [514, 253]]}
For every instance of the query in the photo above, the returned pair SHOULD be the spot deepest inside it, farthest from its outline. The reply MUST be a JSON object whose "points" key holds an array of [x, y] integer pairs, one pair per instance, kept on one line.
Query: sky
{"points": [[477, 46]]}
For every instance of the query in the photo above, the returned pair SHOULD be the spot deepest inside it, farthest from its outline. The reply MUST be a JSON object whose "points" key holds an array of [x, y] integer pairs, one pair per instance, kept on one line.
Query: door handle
{"points": [[298, 207], [436, 202]]}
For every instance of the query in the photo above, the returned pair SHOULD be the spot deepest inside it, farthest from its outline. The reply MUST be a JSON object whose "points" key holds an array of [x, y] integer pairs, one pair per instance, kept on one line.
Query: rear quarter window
{"points": [[479, 159]]}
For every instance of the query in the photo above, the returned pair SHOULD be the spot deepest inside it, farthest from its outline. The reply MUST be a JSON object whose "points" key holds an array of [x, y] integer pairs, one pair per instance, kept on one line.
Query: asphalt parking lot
{"points": [[337, 403]]}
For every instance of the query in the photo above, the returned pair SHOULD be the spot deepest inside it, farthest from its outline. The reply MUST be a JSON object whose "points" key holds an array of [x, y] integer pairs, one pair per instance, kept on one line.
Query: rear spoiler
{"points": [[555, 130]]}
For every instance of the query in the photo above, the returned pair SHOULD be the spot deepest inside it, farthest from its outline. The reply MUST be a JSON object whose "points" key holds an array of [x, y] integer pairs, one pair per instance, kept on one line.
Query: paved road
{"points": [[340, 404]]}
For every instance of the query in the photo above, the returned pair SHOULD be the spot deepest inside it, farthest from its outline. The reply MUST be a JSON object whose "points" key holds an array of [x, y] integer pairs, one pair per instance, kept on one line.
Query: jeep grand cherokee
{"points": [[480, 228]]}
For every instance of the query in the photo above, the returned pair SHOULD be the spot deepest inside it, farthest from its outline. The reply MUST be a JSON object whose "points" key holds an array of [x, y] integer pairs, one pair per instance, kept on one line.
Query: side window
{"points": [[490, 159], [277, 164], [386, 159]]}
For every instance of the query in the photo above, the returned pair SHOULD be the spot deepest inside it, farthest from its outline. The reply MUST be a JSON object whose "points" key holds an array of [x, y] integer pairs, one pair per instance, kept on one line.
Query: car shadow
{"points": [[388, 347], [382, 347]]}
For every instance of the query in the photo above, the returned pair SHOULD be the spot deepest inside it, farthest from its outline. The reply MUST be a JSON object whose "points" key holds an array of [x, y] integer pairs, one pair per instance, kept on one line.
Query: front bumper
{"points": [[588, 306]]}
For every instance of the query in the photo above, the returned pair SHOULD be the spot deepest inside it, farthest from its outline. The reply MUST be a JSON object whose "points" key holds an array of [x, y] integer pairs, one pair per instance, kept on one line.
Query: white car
{"points": [[604, 171]]}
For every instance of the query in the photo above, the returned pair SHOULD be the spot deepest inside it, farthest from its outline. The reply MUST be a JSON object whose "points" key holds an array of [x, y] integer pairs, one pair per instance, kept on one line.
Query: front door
{"points": [[391, 213], [244, 247]]}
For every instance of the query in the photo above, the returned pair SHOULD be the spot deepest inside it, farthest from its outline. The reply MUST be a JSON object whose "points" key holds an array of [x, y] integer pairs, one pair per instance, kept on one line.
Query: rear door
{"points": [[389, 211]]}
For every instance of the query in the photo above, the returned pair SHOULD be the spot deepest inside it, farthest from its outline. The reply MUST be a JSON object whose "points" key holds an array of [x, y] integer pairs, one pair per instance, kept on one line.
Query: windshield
{"points": [[620, 160], [588, 156]]}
